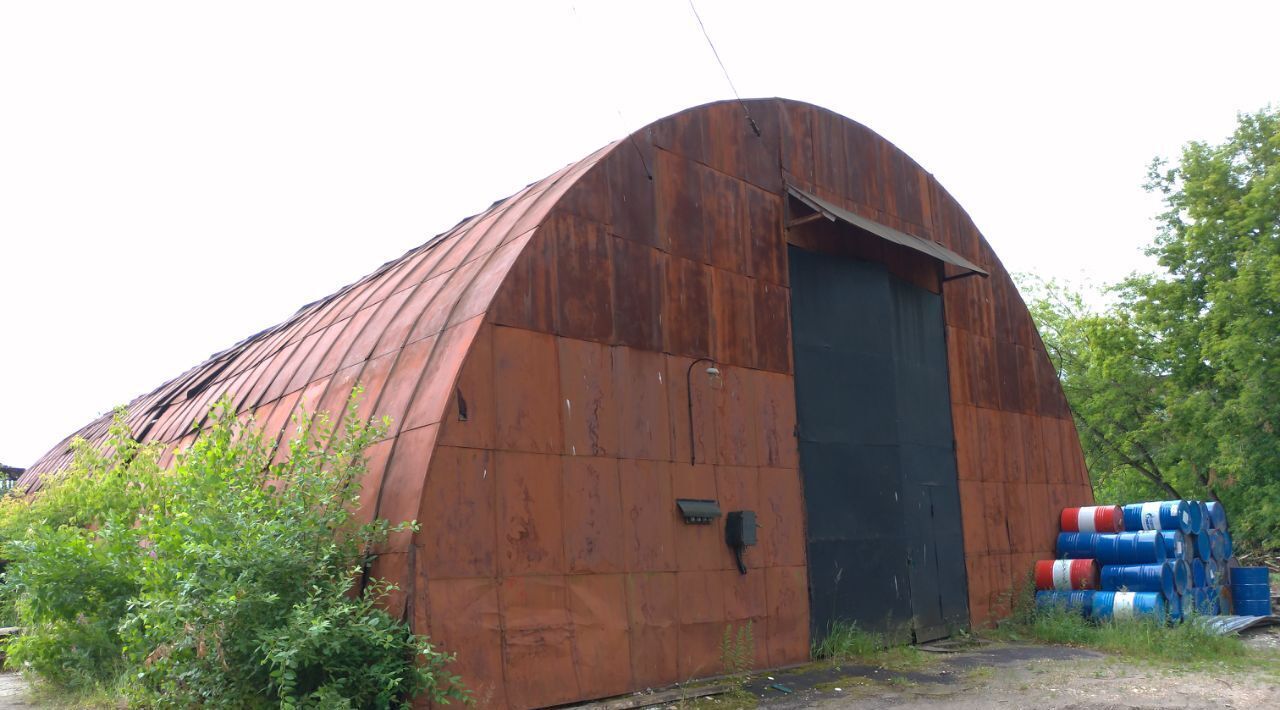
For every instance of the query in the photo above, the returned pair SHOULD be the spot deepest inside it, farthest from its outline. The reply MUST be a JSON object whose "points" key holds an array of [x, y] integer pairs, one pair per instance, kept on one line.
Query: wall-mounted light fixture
{"points": [[714, 380]]}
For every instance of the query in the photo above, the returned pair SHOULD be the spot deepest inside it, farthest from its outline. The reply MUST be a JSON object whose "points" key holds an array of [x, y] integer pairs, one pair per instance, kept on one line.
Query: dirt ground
{"points": [[1029, 676], [989, 676]]}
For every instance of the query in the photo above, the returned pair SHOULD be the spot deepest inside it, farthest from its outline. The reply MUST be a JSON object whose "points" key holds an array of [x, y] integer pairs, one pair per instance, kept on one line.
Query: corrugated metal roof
{"points": [[834, 212], [356, 334]]}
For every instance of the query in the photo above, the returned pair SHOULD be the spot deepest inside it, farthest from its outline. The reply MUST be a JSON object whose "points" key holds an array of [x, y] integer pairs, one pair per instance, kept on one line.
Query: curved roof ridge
{"points": [[166, 413]]}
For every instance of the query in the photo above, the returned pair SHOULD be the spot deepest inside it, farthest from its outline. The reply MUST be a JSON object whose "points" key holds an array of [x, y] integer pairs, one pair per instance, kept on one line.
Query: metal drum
{"points": [[1200, 546], [1205, 601], [1198, 575], [1128, 605], [1079, 602], [1160, 515], [1092, 518], [1127, 548], [1250, 575], [1140, 578], [1175, 544], [1066, 575], [1217, 515], [1218, 544]]}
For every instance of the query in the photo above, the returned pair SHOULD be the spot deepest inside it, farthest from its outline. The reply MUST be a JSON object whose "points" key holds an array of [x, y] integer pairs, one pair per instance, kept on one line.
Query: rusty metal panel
{"points": [[687, 330], [727, 133], [733, 337], [527, 299], [449, 287], [527, 389], [762, 222], [632, 199], [702, 622], [772, 326], [797, 139], [464, 616], [781, 517], [402, 381], [648, 515], [775, 420], [787, 591], [735, 408], [831, 169], [400, 495], [590, 414], [584, 292], [644, 427], [639, 280], [972, 511], [761, 154], [530, 511], [679, 203], [592, 508], [722, 220], [601, 639], [470, 418], [537, 642], [869, 180], [459, 514], [654, 618], [1018, 522]]}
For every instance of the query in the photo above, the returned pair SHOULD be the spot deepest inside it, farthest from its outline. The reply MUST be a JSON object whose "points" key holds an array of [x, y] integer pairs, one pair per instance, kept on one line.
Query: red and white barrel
{"points": [[1092, 518], [1066, 575]]}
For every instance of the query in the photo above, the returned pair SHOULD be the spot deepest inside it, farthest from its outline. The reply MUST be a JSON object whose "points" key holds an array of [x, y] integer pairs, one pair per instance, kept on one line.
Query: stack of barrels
{"points": [[1162, 559]]}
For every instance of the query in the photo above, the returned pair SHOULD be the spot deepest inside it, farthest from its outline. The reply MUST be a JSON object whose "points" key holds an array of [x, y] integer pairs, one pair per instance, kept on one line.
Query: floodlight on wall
{"points": [[714, 380]]}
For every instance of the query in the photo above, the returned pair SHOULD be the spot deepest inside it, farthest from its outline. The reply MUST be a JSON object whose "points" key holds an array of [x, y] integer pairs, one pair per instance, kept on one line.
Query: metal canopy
{"points": [[924, 246]]}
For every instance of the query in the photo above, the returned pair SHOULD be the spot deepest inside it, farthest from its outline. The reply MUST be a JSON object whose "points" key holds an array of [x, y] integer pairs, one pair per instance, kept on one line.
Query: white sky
{"points": [[176, 176]]}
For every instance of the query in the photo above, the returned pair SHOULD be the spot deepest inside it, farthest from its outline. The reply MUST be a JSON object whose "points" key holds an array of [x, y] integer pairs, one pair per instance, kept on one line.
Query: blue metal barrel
{"points": [[1205, 522], [1175, 544], [1198, 578], [1217, 515], [1140, 578], [1251, 592], [1218, 544], [1159, 515], [1128, 605], [1250, 575], [1113, 548], [1206, 601], [1077, 601], [1181, 575], [1228, 547], [1200, 546], [1253, 607]]}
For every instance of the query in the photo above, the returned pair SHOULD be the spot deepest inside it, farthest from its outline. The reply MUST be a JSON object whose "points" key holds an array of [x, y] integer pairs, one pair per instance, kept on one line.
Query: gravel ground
{"points": [[1039, 677], [995, 676]]}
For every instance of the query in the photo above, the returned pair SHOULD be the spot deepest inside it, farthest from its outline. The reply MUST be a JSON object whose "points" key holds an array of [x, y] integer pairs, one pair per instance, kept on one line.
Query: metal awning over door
{"points": [[836, 213]]}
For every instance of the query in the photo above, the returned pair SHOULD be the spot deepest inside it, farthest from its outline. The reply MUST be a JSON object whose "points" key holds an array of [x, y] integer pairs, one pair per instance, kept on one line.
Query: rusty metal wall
{"points": [[598, 286]]}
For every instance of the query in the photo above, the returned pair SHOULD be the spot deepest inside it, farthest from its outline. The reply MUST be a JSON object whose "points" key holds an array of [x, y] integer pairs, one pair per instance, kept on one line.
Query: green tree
{"points": [[1176, 386], [223, 580]]}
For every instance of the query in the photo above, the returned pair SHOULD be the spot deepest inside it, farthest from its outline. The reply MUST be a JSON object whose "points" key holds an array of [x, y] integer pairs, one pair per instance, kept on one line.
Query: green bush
{"points": [[223, 580]]}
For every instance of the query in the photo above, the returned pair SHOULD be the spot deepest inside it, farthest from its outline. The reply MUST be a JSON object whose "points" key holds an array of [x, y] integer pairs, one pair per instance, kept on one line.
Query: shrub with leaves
{"points": [[224, 580]]}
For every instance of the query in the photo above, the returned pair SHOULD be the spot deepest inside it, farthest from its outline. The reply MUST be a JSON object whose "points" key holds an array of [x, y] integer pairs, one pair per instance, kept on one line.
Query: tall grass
{"points": [[1135, 638], [844, 641]]}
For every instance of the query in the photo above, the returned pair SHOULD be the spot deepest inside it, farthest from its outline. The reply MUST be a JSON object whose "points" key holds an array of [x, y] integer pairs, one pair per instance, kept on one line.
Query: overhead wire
{"points": [[754, 128]]}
